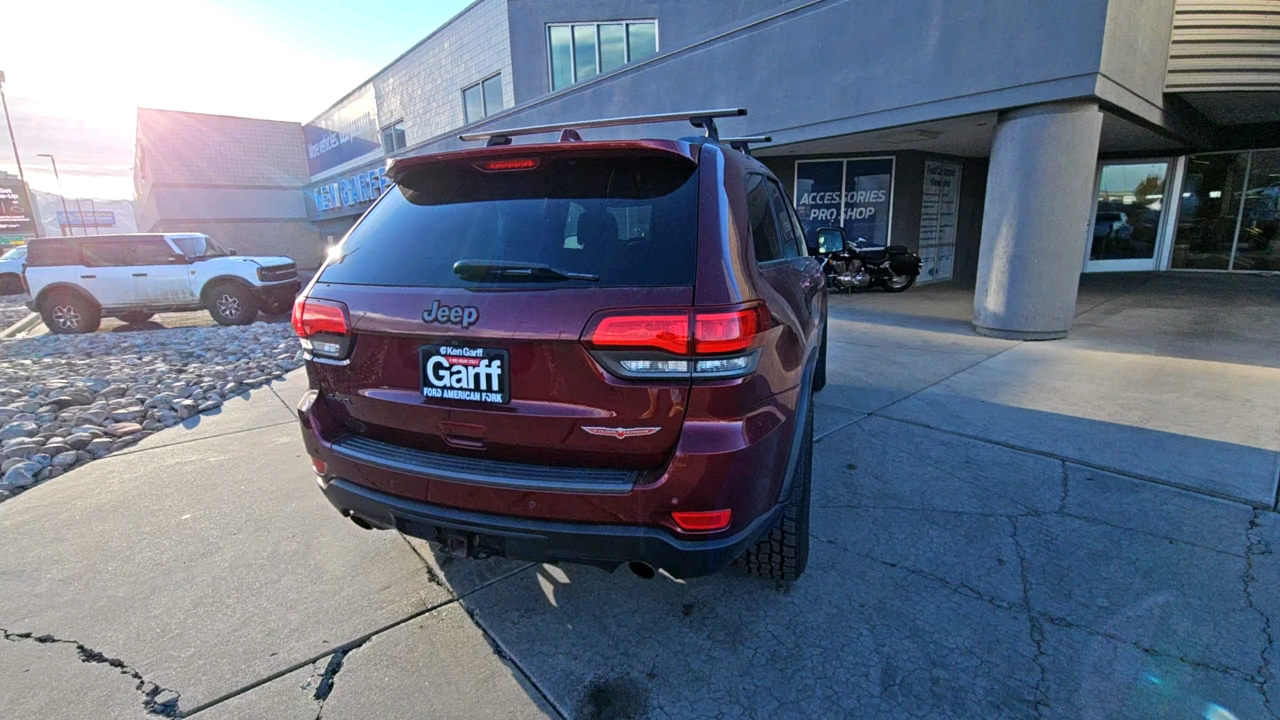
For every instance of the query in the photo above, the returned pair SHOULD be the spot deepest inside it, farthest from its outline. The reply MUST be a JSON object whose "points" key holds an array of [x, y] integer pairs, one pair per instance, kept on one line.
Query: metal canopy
{"points": [[701, 119]]}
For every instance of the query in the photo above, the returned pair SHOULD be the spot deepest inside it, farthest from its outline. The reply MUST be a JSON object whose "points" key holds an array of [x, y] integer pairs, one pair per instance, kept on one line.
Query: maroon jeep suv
{"points": [[597, 352]]}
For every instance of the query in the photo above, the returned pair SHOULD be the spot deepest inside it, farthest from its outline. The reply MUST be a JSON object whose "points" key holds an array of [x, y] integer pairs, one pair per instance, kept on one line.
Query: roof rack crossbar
{"points": [[743, 144], [701, 119]]}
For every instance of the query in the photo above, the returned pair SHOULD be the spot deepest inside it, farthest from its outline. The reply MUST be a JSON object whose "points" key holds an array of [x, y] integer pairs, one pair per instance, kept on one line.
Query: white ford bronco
{"points": [[75, 281]]}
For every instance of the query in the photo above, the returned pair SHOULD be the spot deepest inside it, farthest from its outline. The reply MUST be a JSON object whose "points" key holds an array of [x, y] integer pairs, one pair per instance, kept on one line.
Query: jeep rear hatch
{"points": [[467, 288]]}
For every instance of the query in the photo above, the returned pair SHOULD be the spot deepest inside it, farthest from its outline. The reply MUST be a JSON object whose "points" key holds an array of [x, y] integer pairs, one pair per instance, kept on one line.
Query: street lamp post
{"points": [[17, 158], [80, 212], [66, 213]]}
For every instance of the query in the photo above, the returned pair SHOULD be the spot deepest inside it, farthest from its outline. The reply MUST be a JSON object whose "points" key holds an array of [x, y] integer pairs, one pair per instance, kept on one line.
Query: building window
{"points": [[393, 137], [580, 51], [483, 99], [1229, 213]]}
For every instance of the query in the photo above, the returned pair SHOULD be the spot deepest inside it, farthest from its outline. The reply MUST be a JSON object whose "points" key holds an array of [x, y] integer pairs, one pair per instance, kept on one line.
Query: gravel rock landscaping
{"points": [[12, 309], [67, 400]]}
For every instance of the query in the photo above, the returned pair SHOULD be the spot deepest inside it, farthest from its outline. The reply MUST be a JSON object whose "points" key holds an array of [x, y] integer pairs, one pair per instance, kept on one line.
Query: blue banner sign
{"points": [[342, 134], [856, 195], [350, 191], [97, 218]]}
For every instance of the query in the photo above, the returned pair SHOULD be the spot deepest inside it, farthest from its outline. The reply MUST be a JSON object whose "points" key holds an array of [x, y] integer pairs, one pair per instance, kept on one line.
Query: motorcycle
{"points": [[858, 265]]}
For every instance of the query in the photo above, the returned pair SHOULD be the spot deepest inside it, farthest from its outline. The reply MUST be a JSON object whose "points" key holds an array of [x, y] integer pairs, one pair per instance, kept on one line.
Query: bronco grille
{"points": [[276, 273], [479, 471]]}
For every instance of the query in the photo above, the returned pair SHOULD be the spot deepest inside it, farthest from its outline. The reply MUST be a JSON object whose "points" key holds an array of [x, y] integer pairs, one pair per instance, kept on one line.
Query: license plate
{"points": [[469, 374]]}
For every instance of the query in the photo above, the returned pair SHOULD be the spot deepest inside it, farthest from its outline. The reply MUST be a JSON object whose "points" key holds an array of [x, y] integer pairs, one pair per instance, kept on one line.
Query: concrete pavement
{"points": [[965, 564]]}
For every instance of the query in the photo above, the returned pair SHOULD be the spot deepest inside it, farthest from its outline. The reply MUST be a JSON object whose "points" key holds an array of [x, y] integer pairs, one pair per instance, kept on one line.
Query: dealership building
{"points": [[1013, 144]]}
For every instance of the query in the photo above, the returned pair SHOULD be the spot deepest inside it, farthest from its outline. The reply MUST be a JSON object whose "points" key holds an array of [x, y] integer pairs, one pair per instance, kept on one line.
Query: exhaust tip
{"points": [[361, 522], [642, 570]]}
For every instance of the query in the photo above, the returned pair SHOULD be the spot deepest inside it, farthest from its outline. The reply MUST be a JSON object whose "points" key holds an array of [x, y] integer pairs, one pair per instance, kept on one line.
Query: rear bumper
{"points": [[606, 546]]}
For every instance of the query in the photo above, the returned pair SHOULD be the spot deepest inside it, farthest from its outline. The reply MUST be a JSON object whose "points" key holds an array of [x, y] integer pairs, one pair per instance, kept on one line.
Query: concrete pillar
{"points": [[1035, 222]]}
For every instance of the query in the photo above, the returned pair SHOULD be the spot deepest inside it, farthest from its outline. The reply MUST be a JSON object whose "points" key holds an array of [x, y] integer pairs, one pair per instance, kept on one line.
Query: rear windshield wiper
{"points": [[479, 270]]}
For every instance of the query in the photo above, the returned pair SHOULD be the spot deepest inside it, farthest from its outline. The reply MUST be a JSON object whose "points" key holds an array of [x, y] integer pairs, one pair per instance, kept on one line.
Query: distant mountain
{"points": [[48, 205]]}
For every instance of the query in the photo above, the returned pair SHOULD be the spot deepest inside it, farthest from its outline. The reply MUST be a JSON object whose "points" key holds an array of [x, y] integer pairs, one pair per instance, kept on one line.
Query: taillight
{"points": [[322, 326], [724, 332], [705, 343], [668, 332]]}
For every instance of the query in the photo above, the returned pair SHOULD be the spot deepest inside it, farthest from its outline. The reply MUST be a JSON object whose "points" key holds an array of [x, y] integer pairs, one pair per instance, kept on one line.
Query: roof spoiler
{"points": [[743, 144], [705, 119]]}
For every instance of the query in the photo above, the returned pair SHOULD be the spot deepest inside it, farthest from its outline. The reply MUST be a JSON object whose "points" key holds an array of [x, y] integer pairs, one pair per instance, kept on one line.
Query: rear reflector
{"points": [[318, 465], [703, 521], [507, 164]]}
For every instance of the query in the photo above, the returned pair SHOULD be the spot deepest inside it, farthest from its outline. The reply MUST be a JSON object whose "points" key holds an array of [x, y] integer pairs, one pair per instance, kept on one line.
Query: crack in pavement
{"points": [[156, 700], [1255, 546], [501, 651], [1035, 629], [324, 687], [1037, 618]]}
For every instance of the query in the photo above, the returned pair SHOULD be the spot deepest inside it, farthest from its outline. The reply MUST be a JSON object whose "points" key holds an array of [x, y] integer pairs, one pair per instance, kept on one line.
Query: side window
{"points": [[152, 251], [792, 238], [106, 254], [764, 228]]}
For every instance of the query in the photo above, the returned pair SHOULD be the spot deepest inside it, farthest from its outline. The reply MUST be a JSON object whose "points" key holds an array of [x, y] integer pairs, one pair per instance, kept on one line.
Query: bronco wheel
{"points": [[896, 283], [136, 317], [68, 313], [783, 552], [231, 304]]}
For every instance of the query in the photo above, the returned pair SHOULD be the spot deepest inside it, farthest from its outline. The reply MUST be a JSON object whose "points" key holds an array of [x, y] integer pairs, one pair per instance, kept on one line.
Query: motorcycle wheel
{"points": [[897, 283]]}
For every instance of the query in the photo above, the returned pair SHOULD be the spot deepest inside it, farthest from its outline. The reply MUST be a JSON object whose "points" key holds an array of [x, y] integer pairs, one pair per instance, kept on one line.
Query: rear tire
{"points": [[231, 304], [70, 313], [897, 283], [136, 317], [783, 553]]}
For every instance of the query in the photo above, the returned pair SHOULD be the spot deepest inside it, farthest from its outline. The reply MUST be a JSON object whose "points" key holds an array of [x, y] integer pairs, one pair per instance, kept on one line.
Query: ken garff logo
{"points": [[622, 433], [466, 316]]}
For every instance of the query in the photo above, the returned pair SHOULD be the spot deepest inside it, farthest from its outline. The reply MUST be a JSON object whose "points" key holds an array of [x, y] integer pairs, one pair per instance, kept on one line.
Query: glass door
{"points": [[1129, 216]]}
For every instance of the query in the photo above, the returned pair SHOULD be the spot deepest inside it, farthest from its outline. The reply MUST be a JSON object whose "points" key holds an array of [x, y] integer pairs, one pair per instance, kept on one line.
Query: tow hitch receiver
{"points": [[469, 545]]}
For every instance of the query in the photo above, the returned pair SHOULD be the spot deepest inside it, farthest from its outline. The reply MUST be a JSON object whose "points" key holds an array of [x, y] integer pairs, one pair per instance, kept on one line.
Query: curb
{"points": [[21, 327]]}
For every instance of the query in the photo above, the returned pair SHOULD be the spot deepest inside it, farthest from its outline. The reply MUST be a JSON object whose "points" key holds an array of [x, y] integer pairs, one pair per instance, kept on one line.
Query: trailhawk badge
{"points": [[622, 433]]}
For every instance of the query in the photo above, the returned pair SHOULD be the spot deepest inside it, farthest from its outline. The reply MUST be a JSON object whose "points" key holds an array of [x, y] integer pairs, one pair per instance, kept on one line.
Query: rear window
{"points": [[627, 221], [47, 252]]}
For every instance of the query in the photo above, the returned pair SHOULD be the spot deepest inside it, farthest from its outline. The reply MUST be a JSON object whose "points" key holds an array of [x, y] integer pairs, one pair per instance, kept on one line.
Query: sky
{"points": [[76, 72]]}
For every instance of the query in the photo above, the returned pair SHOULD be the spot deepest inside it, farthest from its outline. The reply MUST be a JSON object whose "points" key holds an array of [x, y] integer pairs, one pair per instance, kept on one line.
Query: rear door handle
{"points": [[88, 277], [139, 274]]}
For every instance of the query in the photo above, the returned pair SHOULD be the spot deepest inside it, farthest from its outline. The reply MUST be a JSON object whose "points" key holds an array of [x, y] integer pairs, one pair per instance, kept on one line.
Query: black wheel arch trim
{"points": [[802, 413], [69, 287], [217, 280]]}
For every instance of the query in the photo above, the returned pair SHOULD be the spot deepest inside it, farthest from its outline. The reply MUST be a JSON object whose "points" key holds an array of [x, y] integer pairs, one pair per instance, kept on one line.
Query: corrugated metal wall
{"points": [[1224, 45]]}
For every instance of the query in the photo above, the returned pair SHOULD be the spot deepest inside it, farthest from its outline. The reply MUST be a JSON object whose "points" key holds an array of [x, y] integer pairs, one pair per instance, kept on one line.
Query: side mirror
{"points": [[830, 239], [231, 251]]}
